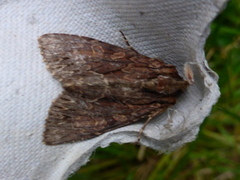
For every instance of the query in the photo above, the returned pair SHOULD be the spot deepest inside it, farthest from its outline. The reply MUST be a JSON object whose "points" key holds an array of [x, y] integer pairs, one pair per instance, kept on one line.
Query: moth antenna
{"points": [[127, 42], [142, 129], [144, 126]]}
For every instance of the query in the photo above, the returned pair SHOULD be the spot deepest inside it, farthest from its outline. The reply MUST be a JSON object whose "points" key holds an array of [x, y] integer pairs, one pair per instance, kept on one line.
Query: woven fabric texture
{"points": [[173, 30]]}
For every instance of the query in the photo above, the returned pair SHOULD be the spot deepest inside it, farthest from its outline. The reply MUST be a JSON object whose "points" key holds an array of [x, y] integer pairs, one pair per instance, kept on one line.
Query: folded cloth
{"points": [[174, 31]]}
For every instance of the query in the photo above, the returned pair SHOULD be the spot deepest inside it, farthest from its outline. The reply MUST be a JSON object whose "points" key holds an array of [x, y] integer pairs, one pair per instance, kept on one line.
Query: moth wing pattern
{"points": [[71, 55], [105, 87], [72, 118]]}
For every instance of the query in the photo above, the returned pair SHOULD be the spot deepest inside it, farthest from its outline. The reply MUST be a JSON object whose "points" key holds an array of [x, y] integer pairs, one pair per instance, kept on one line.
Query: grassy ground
{"points": [[216, 152]]}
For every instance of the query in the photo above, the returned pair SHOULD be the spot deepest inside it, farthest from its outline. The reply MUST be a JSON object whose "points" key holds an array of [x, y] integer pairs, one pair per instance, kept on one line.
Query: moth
{"points": [[104, 87]]}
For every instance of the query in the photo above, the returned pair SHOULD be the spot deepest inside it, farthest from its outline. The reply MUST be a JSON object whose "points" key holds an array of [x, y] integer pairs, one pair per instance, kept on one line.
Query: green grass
{"points": [[216, 152]]}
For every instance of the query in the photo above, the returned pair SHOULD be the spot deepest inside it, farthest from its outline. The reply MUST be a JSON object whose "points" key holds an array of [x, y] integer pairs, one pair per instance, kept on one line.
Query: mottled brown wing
{"points": [[68, 56], [73, 118], [105, 87]]}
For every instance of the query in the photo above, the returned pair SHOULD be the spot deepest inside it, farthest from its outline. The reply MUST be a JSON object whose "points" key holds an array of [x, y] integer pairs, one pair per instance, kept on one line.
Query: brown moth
{"points": [[105, 87]]}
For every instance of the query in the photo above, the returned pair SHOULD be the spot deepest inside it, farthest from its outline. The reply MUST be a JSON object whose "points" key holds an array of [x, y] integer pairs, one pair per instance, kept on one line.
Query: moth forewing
{"points": [[104, 87]]}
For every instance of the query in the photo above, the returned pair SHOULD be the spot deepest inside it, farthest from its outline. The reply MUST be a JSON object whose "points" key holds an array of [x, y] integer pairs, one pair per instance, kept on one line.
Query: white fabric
{"points": [[172, 30]]}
